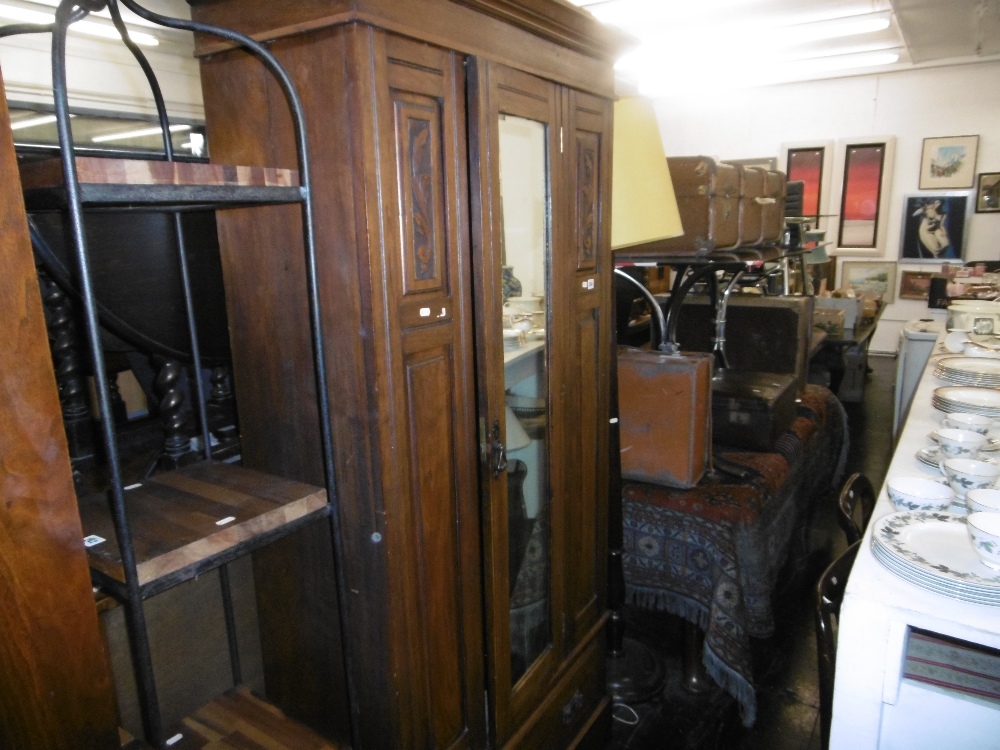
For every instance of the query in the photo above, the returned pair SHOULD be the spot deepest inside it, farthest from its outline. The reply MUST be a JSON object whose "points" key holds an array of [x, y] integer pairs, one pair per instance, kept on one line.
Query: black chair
{"points": [[855, 506], [829, 595]]}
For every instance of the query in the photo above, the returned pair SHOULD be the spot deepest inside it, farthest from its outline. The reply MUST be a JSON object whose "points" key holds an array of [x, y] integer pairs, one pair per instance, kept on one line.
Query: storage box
{"points": [[664, 413], [829, 319], [750, 410], [850, 305]]}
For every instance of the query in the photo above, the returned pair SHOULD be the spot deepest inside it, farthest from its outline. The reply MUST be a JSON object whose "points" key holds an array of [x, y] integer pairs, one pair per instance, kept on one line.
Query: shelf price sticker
{"points": [[93, 540]]}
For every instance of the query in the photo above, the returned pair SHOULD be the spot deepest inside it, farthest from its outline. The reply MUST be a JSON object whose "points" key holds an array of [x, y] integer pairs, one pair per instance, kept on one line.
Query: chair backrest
{"points": [[829, 595], [856, 503]]}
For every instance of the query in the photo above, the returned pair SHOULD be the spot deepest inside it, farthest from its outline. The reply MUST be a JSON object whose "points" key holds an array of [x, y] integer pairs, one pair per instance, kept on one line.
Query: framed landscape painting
{"points": [[949, 162], [870, 276], [915, 284]]}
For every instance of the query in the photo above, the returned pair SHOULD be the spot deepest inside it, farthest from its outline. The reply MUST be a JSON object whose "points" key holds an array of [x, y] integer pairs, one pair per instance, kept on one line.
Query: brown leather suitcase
{"points": [[751, 206], [708, 201], [773, 209], [750, 410], [664, 413]]}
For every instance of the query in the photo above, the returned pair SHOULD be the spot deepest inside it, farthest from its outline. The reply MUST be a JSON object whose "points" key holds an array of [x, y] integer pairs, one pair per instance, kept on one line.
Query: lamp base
{"points": [[636, 674]]}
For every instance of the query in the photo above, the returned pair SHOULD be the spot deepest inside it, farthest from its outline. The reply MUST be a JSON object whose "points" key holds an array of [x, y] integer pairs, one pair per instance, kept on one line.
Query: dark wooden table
{"points": [[845, 356]]}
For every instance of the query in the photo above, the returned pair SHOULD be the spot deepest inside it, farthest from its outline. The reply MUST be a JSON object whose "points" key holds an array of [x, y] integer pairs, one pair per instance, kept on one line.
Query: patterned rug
{"points": [[711, 554]]}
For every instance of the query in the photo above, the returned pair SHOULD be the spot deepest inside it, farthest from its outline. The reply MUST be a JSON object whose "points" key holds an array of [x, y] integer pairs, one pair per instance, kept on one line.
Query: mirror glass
{"points": [[524, 191], [862, 189]]}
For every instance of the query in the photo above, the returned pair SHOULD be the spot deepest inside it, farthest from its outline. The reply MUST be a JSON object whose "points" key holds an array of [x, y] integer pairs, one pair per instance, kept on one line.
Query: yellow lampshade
{"points": [[643, 206]]}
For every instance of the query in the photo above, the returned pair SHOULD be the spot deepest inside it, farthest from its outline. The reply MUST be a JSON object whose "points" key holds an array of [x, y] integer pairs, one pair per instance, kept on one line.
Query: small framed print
{"points": [[869, 276], [915, 284], [988, 193], [948, 163], [934, 227]]}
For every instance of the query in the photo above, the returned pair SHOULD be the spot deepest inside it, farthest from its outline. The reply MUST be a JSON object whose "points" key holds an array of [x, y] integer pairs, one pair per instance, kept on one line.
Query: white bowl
{"points": [[984, 533], [966, 421], [971, 349], [955, 340], [984, 501], [964, 474], [959, 443], [917, 493]]}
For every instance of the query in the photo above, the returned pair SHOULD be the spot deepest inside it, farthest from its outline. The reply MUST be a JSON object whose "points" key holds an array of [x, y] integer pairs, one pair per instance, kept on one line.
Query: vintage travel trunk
{"points": [[750, 410], [773, 208], [751, 215], [664, 412], [708, 201]]}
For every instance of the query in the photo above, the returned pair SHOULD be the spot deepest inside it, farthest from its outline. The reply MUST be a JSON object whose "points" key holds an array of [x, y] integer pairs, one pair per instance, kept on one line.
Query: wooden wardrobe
{"points": [[475, 582]]}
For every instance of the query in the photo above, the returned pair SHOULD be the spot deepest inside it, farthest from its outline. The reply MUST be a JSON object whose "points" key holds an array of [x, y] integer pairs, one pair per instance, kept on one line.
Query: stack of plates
{"points": [[967, 398], [969, 371], [932, 550]]}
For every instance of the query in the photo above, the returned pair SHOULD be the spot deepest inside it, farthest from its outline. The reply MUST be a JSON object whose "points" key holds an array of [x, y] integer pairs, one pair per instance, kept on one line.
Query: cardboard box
{"points": [[829, 319], [851, 307]]}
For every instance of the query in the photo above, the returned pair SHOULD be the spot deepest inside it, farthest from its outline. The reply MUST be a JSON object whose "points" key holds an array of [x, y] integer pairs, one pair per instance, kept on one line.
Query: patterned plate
{"points": [[932, 548], [931, 456]]}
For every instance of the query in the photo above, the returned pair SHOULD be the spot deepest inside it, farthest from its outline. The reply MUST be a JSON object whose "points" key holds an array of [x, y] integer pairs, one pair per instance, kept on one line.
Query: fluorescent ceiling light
{"points": [[129, 17], [90, 28], [848, 62], [137, 133], [32, 122], [814, 32]]}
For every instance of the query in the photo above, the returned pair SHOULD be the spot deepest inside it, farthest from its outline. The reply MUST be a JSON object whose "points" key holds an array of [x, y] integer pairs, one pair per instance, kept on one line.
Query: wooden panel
{"points": [[588, 155], [100, 171], [420, 175], [239, 720], [274, 382], [540, 37], [430, 490], [175, 516], [56, 687], [430, 397]]}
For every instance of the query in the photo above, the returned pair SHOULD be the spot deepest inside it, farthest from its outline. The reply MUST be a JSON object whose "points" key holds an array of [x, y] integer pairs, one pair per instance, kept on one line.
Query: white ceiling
{"points": [[686, 46]]}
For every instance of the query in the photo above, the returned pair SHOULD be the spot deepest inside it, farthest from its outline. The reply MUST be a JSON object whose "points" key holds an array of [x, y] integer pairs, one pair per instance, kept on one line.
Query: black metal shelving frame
{"points": [[72, 197]]}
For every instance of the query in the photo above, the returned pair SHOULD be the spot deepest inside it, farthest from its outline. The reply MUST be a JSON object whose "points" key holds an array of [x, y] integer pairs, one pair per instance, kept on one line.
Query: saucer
{"points": [[931, 456]]}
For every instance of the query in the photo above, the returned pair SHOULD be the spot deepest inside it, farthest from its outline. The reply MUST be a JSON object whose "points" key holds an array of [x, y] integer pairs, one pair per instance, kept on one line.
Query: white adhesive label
{"points": [[224, 521], [174, 740], [93, 540], [133, 486], [425, 312]]}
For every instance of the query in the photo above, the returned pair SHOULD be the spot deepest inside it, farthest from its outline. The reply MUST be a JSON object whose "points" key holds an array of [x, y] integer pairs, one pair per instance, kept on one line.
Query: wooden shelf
{"points": [[179, 522], [240, 720], [136, 182]]}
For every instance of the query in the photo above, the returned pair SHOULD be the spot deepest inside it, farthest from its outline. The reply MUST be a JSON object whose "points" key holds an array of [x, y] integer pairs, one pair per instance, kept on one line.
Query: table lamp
{"points": [[643, 210]]}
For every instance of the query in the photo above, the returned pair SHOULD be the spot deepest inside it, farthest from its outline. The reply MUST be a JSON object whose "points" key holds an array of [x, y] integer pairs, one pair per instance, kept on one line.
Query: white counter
{"points": [[873, 706]]}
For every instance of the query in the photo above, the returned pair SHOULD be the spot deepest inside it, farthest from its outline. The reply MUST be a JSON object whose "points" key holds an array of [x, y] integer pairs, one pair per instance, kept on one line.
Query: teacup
{"points": [[984, 501], [917, 493], [964, 421], [964, 474], [984, 533], [959, 443]]}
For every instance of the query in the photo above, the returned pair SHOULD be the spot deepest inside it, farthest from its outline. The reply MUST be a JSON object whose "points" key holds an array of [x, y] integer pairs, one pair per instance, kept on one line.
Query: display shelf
{"points": [[192, 519], [239, 720], [165, 184]]}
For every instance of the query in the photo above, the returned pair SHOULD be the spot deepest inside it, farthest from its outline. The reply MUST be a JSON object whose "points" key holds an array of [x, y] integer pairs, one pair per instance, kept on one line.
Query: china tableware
{"points": [[966, 474], [955, 340], [965, 421], [971, 349], [964, 398], [983, 500], [984, 533], [916, 493], [959, 443], [931, 549]]}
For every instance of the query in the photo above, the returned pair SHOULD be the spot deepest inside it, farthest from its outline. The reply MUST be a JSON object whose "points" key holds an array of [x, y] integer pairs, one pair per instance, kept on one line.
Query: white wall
{"points": [[910, 105], [103, 75]]}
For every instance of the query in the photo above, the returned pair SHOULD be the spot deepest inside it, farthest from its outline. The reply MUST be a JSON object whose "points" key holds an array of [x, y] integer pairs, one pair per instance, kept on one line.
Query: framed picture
{"points": [[988, 193], [861, 196], [812, 163], [915, 284], [934, 227], [869, 276], [949, 162]]}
